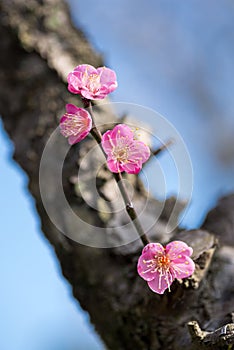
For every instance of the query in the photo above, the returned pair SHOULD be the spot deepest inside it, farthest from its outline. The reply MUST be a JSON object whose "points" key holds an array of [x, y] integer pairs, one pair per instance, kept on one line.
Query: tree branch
{"points": [[39, 45]]}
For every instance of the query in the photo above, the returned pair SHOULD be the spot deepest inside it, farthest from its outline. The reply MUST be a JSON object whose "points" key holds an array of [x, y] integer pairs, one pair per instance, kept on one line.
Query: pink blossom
{"points": [[159, 266], [75, 124], [124, 153], [92, 83]]}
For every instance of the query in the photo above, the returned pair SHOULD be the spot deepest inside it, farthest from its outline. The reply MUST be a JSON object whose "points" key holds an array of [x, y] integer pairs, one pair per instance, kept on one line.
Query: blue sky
{"points": [[37, 309], [176, 58]]}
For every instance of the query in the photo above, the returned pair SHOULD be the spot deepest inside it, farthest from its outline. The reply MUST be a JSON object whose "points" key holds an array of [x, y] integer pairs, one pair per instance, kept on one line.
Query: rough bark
{"points": [[39, 46]]}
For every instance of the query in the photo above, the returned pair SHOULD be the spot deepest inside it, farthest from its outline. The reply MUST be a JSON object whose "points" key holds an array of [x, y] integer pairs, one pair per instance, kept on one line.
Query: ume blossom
{"points": [[75, 124], [124, 153], [159, 266], [92, 83]]}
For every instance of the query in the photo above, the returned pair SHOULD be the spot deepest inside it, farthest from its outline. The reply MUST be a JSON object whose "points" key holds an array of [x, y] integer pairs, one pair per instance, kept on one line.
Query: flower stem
{"points": [[130, 209], [95, 132]]}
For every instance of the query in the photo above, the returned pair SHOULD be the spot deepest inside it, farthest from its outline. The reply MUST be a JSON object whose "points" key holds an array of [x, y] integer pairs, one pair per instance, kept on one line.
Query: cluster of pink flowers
{"points": [[124, 153], [160, 266], [157, 265], [90, 83]]}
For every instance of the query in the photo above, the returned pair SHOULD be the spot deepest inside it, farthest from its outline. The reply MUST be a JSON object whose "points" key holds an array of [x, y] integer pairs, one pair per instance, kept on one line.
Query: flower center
{"points": [[72, 125], [92, 82], [158, 263], [121, 154], [162, 261]]}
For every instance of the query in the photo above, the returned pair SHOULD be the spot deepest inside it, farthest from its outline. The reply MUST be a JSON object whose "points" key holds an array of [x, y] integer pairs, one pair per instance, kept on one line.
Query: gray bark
{"points": [[39, 46]]}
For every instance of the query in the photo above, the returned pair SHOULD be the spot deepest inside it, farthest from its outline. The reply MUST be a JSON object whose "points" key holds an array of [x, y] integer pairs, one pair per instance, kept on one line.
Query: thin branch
{"points": [[158, 150], [95, 132], [163, 147]]}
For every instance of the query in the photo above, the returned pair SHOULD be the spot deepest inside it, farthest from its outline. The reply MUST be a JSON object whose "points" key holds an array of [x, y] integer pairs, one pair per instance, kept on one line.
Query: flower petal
{"points": [[77, 138], [183, 269], [131, 168], [107, 142], [108, 79], [154, 248], [74, 83], [89, 95], [160, 283], [114, 166], [146, 262], [140, 152], [85, 68], [144, 268], [72, 109], [177, 249], [122, 131]]}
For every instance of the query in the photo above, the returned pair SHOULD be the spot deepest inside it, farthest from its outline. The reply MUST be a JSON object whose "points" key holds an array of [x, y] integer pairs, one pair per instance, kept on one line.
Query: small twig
{"points": [[119, 180], [157, 151], [123, 118], [163, 147]]}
